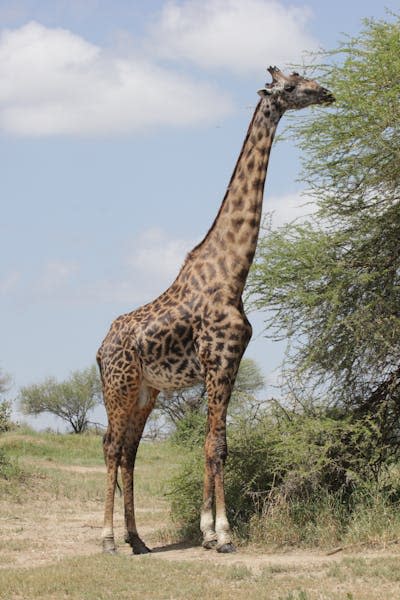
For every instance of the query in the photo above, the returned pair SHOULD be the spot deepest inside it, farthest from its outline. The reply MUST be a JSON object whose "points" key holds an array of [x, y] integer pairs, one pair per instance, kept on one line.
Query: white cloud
{"points": [[9, 283], [239, 36], [149, 265], [153, 261], [55, 82], [56, 275], [159, 256], [155, 258], [285, 209]]}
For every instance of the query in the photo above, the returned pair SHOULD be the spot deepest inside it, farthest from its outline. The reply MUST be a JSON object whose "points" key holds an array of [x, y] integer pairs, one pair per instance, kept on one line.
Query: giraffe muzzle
{"points": [[326, 96]]}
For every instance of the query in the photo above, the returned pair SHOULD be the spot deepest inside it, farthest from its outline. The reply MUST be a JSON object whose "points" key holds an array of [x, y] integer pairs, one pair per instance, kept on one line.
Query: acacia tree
{"points": [[249, 381], [71, 400], [330, 285]]}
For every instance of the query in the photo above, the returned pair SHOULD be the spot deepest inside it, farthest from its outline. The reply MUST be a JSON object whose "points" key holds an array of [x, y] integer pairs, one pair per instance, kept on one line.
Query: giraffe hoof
{"points": [[111, 551], [138, 547], [109, 546], [226, 548], [142, 549], [209, 545]]}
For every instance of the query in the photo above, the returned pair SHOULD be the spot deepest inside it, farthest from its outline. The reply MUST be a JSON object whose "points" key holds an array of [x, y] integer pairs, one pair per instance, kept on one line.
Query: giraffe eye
{"points": [[289, 88]]}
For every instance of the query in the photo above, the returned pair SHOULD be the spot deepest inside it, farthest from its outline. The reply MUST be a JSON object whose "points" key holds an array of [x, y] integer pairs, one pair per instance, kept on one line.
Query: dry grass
{"points": [[99, 577], [50, 524]]}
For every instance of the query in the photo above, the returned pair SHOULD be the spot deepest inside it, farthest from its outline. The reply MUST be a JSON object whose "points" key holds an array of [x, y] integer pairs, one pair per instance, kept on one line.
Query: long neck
{"points": [[231, 242]]}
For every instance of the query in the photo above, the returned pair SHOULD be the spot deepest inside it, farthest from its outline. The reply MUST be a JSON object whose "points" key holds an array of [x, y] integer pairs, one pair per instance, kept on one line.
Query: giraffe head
{"points": [[294, 91]]}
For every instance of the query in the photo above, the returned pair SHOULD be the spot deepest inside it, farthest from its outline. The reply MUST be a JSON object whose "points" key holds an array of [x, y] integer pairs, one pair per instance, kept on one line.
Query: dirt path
{"points": [[60, 533]]}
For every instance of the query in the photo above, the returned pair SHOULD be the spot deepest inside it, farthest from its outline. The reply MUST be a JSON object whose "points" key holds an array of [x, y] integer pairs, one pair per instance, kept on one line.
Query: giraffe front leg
{"points": [[233, 331], [216, 452], [222, 528], [207, 517]]}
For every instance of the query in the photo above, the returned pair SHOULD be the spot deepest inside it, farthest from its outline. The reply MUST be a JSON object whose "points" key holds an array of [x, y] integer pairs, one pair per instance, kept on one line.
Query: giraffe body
{"points": [[197, 329]]}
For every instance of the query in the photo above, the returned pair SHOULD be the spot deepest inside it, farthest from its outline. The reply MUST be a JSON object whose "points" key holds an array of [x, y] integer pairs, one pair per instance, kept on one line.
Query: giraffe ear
{"points": [[263, 92]]}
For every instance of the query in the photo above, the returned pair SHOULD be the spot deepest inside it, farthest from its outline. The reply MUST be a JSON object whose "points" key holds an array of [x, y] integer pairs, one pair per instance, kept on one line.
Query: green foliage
{"points": [[186, 494], [249, 383], [190, 430], [71, 400], [249, 380], [7, 467], [351, 153], [288, 476], [179, 405], [5, 382], [5, 416], [5, 405], [330, 286]]}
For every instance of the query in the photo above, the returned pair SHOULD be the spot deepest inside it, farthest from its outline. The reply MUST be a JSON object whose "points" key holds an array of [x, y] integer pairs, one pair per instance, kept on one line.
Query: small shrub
{"points": [[186, 493], [289, 478], [320, 521], [5, 416], [9, 468], [376, 515], [190, 430]]}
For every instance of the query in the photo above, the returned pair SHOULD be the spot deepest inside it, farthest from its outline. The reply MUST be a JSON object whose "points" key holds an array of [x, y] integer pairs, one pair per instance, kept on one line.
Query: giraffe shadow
{"points": [[175, 546]]}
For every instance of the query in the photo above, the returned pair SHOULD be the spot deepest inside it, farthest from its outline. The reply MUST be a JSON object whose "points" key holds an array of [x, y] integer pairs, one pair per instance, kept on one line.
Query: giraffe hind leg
{"points": [[133, 436], [121, 395]]}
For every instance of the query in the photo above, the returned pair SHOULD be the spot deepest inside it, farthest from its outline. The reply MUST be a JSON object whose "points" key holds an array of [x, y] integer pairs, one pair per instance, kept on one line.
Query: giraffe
{"points": [[197, 329]]}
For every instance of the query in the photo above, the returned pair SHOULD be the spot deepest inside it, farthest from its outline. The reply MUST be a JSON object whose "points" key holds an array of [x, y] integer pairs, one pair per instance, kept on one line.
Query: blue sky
{"points": [[120, 125]]}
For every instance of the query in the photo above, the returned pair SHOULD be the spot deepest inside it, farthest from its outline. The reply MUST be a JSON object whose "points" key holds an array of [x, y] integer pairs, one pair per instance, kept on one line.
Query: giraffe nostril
{"points": [[327, 97]]}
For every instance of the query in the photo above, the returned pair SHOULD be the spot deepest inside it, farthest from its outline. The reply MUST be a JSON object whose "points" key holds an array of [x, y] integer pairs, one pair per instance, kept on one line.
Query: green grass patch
{"points": [[9, 468], [71, 449], [59, 465]]}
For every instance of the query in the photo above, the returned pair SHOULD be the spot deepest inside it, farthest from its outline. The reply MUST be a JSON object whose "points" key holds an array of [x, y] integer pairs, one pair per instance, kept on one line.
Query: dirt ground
{"points": [[41, 530]]}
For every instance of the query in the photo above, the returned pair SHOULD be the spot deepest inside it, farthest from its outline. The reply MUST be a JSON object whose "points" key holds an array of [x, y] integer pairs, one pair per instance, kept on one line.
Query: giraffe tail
{"points": [[105, 460]]}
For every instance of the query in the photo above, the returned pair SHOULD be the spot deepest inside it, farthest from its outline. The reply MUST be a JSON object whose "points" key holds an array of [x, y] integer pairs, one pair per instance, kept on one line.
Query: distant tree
{"points": [[5, 382], [70, 400], [5, 405], [249, 382], [177, 405], [331, 285]]}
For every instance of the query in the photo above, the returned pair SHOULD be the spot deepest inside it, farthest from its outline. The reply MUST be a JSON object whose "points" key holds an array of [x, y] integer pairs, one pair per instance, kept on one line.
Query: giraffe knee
{"points": [[111, 450], [128, 456], [217, 452], [222, 451]]}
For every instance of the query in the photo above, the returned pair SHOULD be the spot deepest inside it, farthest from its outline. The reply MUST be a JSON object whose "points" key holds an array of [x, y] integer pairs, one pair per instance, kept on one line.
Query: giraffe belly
{"points": [[173, 372]]}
